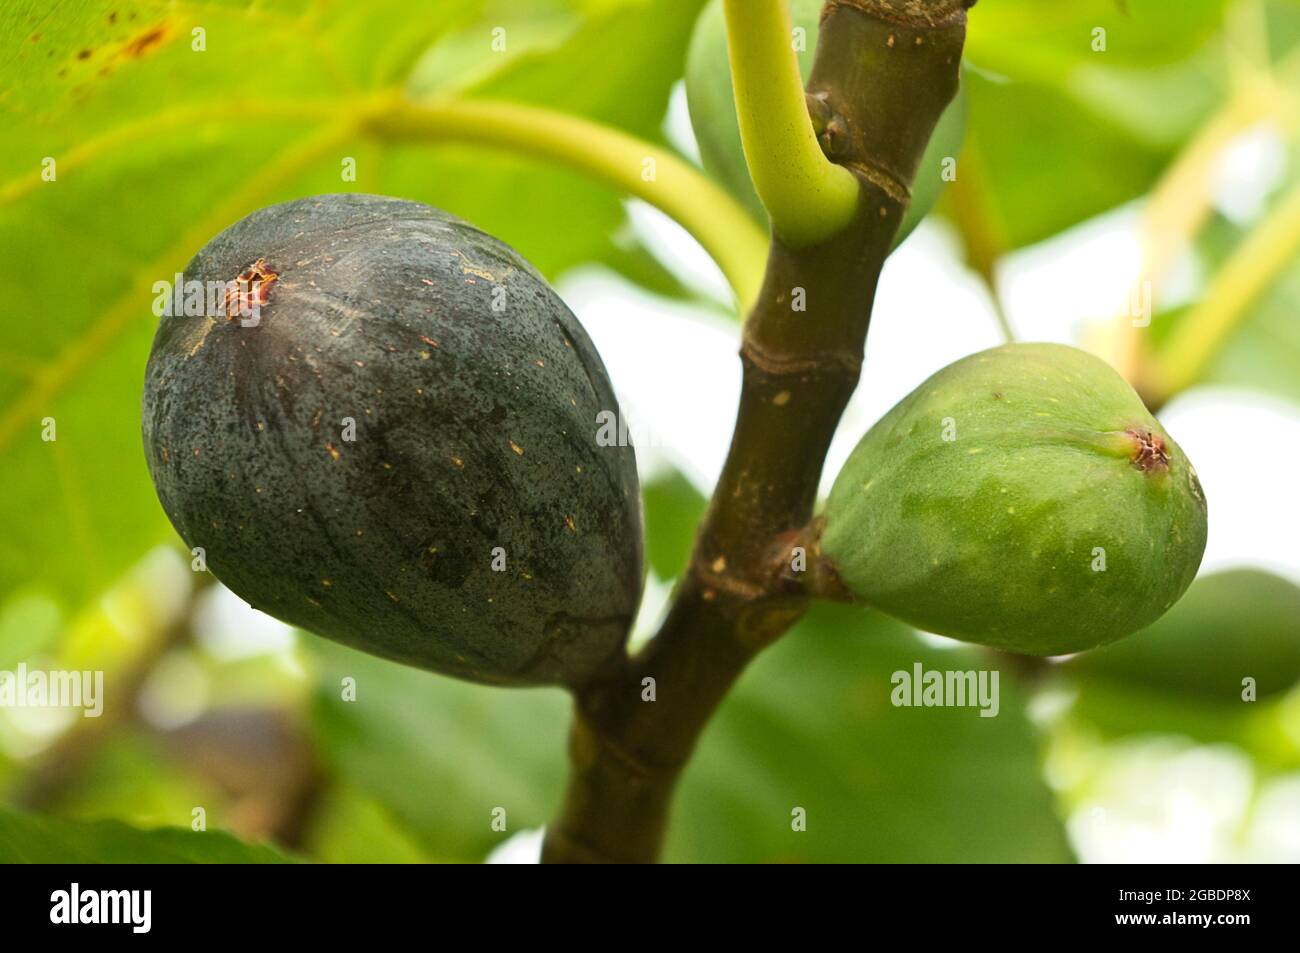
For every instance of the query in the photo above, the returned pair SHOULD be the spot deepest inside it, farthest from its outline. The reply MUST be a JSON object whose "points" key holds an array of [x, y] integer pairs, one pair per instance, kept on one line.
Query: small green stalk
{"points": [[631, 165], [808, 197]]}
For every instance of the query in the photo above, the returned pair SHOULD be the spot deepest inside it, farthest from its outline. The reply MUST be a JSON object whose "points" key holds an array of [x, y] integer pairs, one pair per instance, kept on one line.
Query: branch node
{"points": [[782, 365]]}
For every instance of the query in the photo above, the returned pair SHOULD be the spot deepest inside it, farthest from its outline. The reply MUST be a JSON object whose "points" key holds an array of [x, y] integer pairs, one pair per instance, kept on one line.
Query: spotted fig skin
{"points": [[1023, 498], [475, 394]]}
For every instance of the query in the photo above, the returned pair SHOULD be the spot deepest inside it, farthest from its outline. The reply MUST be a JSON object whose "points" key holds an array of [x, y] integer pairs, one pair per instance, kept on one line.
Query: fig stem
{"points": [[808, 197], [716, 220], [629, 744]]}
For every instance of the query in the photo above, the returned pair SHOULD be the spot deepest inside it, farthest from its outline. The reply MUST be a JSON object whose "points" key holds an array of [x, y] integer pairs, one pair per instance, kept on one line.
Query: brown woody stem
{"points": [[887, 68]]}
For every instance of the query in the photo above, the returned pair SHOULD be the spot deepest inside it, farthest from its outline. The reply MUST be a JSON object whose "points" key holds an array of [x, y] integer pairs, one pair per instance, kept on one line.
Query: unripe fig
{"points": [[398, 447], [1022, 497], [717, 130]]}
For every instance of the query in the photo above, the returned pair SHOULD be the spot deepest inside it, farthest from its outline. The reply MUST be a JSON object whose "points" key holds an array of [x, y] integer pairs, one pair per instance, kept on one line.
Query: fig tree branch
{"points": [[887, 69], [807, 197]]}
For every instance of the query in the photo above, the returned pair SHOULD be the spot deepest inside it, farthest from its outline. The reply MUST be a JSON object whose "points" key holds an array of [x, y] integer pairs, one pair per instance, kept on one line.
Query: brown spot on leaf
{"points": [[147, 42]]}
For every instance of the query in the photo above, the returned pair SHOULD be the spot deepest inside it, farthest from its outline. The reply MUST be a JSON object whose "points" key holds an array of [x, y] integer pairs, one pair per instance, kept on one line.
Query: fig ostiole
{"points": [[400, 452], [712, 104], [1023, 498]]}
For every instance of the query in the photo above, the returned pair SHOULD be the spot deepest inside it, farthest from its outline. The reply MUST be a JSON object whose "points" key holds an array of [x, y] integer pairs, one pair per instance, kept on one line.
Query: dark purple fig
{"points": [[387, 432]]}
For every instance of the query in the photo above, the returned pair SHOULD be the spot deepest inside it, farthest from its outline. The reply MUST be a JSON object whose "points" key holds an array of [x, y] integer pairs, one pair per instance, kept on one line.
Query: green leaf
{"points": [[595, 73], [1024, 140], [28, 625], [350, 828], [812, 726], [1118, 710], [33, 839], [1047, 39], [130, 776], [673, 510], [442, 755], [1051, 115], [1229, 626]]}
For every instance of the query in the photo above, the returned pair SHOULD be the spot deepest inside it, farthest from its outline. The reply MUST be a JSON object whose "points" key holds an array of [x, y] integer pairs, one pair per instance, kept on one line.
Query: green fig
{"points": [[717, 130], [1022, 497]]}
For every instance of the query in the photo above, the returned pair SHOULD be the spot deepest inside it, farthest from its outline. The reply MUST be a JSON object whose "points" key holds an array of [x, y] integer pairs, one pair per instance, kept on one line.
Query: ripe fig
{"points": [[1022, 497], [717, 130], [399, 449]]}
